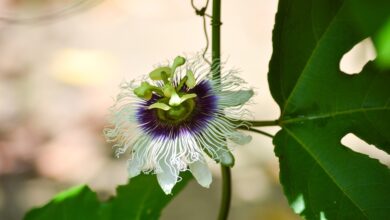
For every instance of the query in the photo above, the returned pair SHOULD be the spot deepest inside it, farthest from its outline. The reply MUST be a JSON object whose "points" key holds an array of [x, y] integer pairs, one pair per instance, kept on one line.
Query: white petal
{"points": [[201, 173], [167, 178], [240, 138], [235, 98], [133, 167], [226, 158]]}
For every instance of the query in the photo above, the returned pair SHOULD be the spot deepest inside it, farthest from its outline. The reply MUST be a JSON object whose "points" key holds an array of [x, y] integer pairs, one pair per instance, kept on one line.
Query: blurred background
{"points": [[61, 62]]}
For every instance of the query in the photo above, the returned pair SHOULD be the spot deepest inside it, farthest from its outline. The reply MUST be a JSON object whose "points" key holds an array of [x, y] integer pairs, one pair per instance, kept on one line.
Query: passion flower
{"points": [[175, 117]]}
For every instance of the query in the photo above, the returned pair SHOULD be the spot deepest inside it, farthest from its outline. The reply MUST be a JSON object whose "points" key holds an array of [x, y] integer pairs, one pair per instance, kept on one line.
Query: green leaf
{"points": [[141, 198], [77, 203], [382, 42], [319, 104], [373, 17]]}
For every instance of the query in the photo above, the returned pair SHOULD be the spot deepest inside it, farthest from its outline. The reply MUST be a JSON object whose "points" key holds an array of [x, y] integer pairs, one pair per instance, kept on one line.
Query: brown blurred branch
{"points": [[78, 6]]}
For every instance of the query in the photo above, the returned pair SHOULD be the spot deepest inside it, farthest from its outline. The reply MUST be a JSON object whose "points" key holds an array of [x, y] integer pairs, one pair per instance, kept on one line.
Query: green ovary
{"points": [[177, 113]]}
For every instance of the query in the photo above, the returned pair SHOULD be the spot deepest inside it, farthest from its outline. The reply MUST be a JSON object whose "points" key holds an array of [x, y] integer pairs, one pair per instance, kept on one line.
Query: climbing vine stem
{"points": [[261, 132], [216, 71], [264, 123], [226, 193], [216, 40]]}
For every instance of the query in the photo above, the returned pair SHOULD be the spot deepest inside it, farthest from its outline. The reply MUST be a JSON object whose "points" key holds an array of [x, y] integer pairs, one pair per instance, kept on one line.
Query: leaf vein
{"points": [[333, 114], [306, 148], [304, 71]]}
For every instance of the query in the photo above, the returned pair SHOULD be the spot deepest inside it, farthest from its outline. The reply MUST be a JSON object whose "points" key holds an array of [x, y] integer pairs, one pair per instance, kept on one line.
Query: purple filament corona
{"points": [[204, 111]]}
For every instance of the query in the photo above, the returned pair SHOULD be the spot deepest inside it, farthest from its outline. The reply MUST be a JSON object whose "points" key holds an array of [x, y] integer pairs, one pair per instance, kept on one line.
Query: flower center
{"points": [[178, 113], [175, 104], [190, 116]]}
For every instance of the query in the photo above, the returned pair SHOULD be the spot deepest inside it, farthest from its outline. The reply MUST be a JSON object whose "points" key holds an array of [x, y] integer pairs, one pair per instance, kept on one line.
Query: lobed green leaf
{"points": [[141, 198], [320, 104]]}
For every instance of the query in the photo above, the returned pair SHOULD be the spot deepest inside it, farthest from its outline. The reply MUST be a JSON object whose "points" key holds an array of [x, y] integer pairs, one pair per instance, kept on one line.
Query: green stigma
{"points": [[174, 104]]}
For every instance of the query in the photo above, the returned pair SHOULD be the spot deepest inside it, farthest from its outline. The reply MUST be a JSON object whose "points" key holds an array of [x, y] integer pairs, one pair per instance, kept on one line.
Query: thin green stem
{"points": [[202, 12], [216, 41], [264, 123], [226, 193], [216, 71], [261, 132]]}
